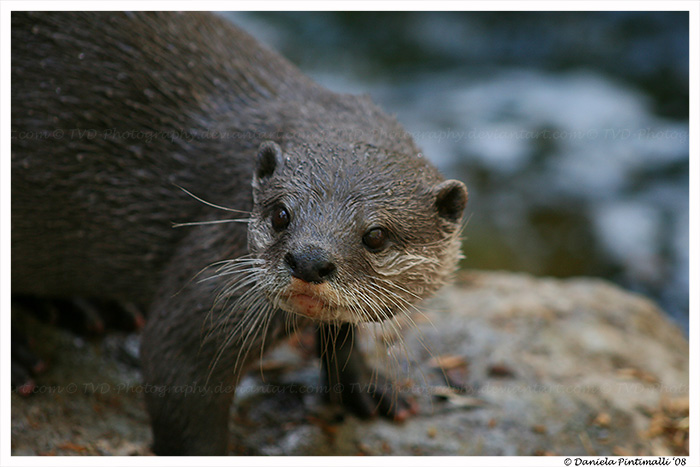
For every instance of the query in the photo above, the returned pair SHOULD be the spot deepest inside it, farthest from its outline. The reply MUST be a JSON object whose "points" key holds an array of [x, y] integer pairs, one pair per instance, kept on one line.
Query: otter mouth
{"points": [[311, 301], [319, 302], [307, 305]]}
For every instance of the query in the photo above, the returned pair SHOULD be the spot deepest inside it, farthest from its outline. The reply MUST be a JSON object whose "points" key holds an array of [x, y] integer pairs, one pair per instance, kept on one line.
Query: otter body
{"points": [[311, 207]]}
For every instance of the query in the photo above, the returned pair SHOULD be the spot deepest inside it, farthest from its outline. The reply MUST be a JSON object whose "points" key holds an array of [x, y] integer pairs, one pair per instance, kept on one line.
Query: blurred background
{"points": [[570, 129]]}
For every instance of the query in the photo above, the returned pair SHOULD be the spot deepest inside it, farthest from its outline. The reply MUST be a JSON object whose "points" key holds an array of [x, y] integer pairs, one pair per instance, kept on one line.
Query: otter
{"points": [[295, 205]]}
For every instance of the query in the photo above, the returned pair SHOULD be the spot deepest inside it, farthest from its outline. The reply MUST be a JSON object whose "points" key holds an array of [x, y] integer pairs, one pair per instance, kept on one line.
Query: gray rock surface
{"points": [[530, 366]]}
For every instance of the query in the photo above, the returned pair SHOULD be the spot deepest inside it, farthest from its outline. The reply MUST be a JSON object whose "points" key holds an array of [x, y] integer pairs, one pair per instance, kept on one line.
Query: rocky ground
{"points": [[499, 364]]}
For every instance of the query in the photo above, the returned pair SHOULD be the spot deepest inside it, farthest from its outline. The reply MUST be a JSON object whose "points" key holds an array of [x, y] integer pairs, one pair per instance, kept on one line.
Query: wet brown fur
{"points": [[93, 214]]}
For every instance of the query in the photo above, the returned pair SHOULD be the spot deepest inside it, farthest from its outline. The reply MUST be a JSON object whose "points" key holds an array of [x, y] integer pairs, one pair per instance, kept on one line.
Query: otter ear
{"points": [[269, 158], [450, 199]]}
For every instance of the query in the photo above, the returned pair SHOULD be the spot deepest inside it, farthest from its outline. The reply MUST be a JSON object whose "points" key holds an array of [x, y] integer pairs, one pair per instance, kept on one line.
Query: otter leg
{"points": [[24, 365], [189, 425], [198, 340], [189, 411], [192, 358], [351, 382]]}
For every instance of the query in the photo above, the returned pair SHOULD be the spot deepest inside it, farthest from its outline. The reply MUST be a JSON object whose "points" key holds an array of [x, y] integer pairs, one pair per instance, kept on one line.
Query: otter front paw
{"points": [[377, 395], [349, 382]]}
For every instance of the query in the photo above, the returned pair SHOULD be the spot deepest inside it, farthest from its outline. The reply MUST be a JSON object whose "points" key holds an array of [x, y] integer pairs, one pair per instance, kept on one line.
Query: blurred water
{"points": [[570, 129]]}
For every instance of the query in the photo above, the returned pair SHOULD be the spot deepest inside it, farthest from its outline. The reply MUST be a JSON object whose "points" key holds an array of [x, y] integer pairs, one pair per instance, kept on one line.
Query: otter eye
{"points": [[375, 239], [280, 218]]}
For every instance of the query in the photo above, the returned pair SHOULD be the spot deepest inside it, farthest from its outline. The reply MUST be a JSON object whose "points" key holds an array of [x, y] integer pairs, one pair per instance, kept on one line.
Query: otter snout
{"points": [[310, 264]]}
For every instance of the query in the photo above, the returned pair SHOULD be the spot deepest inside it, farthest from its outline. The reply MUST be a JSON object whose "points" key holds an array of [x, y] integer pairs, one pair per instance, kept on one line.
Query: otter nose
{"points": [[310, 265]]}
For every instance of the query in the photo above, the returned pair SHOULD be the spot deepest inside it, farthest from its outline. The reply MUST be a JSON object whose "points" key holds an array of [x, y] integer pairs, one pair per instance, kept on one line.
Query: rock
{"points": [[530, 366]]}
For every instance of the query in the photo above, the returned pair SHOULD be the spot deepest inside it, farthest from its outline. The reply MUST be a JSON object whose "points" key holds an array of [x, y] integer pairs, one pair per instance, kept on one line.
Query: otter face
{"points": [[352, 234]]}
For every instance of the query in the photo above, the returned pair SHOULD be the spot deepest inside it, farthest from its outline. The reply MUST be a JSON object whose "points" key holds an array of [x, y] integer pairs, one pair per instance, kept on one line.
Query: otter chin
{"points": [[309, 300], [308, 306], [313, 301]]}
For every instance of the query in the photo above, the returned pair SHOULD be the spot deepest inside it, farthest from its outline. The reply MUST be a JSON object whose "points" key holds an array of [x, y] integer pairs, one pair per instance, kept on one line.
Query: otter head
{"points": [[351, 233]]}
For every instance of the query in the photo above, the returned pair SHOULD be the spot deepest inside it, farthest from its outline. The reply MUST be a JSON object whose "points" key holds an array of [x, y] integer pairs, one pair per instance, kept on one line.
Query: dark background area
{"points": [[569, 128]]}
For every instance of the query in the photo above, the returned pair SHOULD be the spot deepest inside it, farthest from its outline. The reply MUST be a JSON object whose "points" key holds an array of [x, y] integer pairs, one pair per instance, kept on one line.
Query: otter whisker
{"points": [[420, 335], [247, 259], [219, 221], [247, 334], [211, 204], [246, 272], [404, 312], [396, 265], [398, 287], [243, 330], [244, 278], [265, 330], [393, 366], [402, 306], [394, 323]]}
